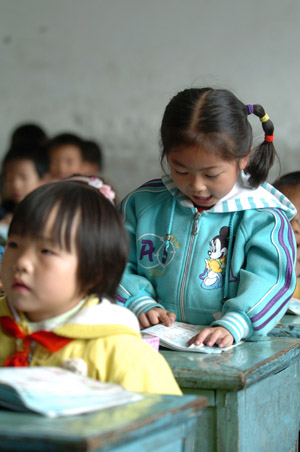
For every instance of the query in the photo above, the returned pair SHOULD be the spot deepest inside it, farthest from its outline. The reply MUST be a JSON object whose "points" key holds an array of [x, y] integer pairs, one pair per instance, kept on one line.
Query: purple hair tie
{"points": [[250, 109]]}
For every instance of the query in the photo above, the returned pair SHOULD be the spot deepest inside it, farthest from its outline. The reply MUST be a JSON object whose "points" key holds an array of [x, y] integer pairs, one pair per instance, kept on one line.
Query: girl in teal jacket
{"points": [[210, 242]]}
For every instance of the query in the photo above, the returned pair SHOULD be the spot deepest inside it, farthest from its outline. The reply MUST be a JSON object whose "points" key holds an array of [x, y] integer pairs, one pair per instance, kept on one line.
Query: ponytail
{"points": [[263, 156]]}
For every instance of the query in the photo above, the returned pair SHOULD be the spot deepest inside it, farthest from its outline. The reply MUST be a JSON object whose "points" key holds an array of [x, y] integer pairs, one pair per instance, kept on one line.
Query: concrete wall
{"points": [[107, 68]]}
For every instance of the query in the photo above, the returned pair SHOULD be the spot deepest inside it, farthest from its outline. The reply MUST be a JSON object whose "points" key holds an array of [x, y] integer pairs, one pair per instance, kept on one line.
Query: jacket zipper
{"points": [[187, 264]]}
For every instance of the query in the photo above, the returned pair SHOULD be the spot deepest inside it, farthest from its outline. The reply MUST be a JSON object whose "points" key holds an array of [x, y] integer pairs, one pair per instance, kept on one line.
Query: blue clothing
{"points": [[231, 265], [2, 249]]}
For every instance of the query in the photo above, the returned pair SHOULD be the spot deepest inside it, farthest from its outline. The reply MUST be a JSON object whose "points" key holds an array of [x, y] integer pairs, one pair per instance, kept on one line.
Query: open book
{"points": [[176, 337], [293, 306], [52, 391]]}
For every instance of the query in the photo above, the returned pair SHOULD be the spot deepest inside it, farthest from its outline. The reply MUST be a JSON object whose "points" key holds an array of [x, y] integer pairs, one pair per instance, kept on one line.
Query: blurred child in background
{"points": [[93, 158], [289, 185], [66, 154], [24, 168]]}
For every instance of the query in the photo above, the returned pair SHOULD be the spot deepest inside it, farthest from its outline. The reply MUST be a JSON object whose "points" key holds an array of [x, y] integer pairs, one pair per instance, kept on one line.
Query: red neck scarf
{"points": [[51, 341]]}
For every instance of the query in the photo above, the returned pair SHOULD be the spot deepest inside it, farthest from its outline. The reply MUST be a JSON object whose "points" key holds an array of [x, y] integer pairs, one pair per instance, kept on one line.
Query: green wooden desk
{"points": [[289, 326], [156, 423], [252, 395]]}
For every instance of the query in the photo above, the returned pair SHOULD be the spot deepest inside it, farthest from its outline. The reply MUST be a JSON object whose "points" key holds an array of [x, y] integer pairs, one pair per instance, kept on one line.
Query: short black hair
{"points": [[38, 155], [93, 153], [29, 134], [67, 139], [100, 239]]}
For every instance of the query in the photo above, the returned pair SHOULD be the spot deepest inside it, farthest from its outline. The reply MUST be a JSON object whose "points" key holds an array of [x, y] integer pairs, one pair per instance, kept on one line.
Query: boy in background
{"points": [[70, 154], [289, 185], [66, 155], [93, 158]]}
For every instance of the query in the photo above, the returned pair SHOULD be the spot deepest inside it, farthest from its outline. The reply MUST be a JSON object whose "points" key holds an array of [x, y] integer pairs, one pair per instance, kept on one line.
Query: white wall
{"points": [[107, 68]]}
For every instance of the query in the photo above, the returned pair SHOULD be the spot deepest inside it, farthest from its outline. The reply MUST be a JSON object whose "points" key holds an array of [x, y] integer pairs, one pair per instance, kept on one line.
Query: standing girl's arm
{"points": [[266, 280], [136, 291]]}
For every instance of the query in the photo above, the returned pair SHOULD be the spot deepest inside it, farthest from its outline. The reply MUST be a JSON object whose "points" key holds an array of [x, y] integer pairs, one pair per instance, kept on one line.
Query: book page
{"points": [[293, 306], [176, 337], [53, 391]]}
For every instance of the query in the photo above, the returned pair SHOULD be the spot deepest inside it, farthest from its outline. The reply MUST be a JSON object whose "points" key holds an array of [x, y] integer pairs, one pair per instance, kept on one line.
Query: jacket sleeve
{"points": [[135, 291], [132, 363], [267, 278]]}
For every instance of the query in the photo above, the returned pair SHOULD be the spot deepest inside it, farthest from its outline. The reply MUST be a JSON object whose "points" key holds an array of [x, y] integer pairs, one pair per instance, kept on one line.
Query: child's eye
{"points": [[11, 244], [212, 176], [47, 251], [181, 173]]}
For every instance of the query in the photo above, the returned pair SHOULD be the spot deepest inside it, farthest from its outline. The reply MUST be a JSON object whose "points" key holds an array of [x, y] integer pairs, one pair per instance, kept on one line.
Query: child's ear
{"points": [[244, 161]]}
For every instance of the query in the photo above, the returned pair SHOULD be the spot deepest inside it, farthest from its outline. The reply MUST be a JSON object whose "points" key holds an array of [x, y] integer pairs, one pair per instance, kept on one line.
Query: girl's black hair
{"points": [[100, 239], [218, 120]]}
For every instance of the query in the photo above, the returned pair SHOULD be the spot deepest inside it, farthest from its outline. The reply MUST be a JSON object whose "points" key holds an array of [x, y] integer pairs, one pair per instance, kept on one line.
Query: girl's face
{"points": [[202, 176], [39, 277]]}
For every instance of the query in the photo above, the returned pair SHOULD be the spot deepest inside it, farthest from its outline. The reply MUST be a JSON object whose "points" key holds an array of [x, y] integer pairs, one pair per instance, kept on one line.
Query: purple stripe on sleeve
{"points": [[121, 299], [257, 328], [288, 278]]}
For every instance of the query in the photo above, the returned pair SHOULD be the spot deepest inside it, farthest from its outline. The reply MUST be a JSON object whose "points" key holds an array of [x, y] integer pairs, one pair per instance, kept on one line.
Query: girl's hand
{"points": [[213, 335], [155, 316]]}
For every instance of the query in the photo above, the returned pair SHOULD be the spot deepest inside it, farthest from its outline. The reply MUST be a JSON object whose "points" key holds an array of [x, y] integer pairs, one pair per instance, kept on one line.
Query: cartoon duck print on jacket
{"points": [[213, 275]]}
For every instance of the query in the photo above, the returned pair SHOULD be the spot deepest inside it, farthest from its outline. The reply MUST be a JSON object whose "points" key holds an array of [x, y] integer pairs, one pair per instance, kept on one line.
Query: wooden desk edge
{"points": [[191, 406], [189, 378]]}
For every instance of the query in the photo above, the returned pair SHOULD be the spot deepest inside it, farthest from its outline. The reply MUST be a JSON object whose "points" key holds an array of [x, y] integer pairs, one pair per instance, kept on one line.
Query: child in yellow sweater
{"points": [[65, 254]]}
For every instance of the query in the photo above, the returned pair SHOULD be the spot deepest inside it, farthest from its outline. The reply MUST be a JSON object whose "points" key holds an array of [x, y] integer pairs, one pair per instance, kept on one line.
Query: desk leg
{"points": [[262, 418]]}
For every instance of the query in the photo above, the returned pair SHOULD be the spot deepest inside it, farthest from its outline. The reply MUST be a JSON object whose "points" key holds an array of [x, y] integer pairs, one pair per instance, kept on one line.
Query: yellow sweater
{"points": [[106, 340]]}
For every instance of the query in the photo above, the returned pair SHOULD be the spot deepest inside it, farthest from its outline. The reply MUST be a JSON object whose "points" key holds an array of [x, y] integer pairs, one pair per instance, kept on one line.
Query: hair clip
{"points": [[250, 109], [269, 138], [265, 118], [105, 189]]}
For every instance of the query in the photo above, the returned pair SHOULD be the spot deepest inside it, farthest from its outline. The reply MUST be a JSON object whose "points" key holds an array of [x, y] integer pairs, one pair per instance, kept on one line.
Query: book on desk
{"points": [[176, 337], [53, 392], [293, 306]]}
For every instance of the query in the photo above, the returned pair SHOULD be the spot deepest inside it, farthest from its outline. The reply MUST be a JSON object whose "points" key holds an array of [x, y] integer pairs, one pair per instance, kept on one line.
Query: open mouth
{"points": [[202, 199]]}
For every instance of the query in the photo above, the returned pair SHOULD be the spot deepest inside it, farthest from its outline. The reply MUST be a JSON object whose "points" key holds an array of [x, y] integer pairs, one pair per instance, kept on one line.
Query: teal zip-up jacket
{"points": [[231, 265]]}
